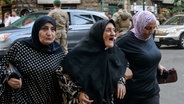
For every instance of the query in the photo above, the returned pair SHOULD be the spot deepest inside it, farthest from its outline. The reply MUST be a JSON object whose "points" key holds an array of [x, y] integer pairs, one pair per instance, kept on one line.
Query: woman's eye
{"points": [[44, 28], [47, 28]]}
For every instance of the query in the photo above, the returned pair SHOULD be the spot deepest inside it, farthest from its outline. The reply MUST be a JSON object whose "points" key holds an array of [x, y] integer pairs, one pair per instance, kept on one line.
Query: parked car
{"points": [[171, 32], [80, 23]]}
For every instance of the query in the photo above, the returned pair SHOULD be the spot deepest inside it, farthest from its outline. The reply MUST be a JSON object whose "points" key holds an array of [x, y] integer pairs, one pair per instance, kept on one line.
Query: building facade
{"points": [[26, 6]]}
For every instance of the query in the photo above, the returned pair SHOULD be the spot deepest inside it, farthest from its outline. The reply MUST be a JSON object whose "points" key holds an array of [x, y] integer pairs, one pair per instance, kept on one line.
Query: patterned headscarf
{"points": [[140, 21]]}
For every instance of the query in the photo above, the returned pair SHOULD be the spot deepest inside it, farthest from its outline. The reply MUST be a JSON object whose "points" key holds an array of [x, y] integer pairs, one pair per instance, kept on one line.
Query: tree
{"points": [[7, 1], [179, 3]]}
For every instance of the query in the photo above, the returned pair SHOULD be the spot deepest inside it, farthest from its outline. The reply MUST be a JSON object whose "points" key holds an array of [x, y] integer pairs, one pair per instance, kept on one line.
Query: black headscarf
{"points": [[34, 41], [94, 67]]}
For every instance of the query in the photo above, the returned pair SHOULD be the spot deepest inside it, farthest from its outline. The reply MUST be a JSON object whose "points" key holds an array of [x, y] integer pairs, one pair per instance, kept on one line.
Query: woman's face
{"points": [[109, 35], [47, 34], [149, 29]]}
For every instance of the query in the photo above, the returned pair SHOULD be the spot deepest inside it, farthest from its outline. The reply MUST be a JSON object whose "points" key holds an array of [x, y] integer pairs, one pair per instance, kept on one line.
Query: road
{"points": [[173, 93]]}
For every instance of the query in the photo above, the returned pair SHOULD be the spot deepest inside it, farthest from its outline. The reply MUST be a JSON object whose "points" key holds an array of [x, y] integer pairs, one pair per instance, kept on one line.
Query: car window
{"points": [[81, 19], [177, 20], [180, 20], [97, 18], [170, 21], [26, 20]]}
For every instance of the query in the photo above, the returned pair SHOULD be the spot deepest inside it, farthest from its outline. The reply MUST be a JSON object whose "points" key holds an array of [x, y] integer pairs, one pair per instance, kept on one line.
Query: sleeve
{"points": [[67, 85], [130, 15], [9, 57], [50, 14], [115, 17], [67, 22]]}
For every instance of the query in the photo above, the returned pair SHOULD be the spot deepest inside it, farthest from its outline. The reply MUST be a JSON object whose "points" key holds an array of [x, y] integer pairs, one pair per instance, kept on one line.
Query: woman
{"points": [[97, 65], [36, 58], [143, 57]]}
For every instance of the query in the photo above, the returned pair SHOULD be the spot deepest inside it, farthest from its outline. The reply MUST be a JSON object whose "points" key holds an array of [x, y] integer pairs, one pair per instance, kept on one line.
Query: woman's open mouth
{"points": [[111, 39]]}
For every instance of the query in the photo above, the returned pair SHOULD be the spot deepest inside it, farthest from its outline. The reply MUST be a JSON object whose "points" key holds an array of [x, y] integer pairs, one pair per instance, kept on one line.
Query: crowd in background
{"points": [[9, 18]]}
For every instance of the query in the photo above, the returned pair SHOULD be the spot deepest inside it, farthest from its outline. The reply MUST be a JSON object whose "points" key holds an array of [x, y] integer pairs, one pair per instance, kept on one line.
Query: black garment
{"points": [[96, 68], [37, 64], [1, 25], [39, 81], [152, 100], [143, 58]]}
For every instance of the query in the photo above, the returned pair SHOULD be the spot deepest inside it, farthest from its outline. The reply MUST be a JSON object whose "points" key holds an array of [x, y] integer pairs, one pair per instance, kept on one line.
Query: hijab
{"points": [[34, 41], [140, 20], [96, 68]]}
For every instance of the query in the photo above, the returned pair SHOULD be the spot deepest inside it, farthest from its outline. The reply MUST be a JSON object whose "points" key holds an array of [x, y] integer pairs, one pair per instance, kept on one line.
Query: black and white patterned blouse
{"points": [[39, 81]]}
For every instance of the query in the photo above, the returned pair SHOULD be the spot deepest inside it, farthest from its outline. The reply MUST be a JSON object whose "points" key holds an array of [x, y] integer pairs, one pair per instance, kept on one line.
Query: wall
{"points": [[19, 5]]}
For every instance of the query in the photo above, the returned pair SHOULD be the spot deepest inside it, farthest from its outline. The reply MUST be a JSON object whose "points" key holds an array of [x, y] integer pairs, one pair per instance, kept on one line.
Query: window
{"points": [[81, 19], [27, 20], [177, 20], [97, 18]]}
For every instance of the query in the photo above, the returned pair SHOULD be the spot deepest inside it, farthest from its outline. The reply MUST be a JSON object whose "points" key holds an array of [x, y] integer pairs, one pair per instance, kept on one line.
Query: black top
{"points": [[39, 81], [94, 67], [37, 65], [143, 58]]}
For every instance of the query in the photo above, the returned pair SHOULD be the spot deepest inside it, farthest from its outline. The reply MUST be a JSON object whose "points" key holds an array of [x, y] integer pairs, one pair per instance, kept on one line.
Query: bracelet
{"points": [[122, 80]]}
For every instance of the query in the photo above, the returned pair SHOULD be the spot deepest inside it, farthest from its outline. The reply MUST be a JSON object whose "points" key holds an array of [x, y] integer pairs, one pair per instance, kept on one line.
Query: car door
{"points": [[80, 23]]}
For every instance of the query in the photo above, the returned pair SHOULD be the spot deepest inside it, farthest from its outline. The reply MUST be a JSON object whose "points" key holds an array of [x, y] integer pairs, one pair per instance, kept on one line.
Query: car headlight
{"points": [[4, 36], [166, 31], [172, 30]]}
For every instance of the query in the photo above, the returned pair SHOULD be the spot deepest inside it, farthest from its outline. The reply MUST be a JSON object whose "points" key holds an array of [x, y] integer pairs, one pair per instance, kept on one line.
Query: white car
{"points": [[171, 32]]}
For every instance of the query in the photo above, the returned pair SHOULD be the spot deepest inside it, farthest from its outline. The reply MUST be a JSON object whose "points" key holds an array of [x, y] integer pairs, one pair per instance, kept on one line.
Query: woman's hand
{"points": [[161, 69], [15, 83], [121, 91], [128, 74], [84, 98]]}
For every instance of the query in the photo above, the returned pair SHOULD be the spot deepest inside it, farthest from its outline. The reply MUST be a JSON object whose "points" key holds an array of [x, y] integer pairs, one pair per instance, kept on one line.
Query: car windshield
{"points": [[26, 21], [176, 20]]}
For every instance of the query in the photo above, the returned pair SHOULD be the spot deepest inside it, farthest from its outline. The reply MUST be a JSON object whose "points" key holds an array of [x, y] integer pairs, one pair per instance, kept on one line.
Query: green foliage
{"points": [[179, 9], [179, 3], [7, 1]]}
